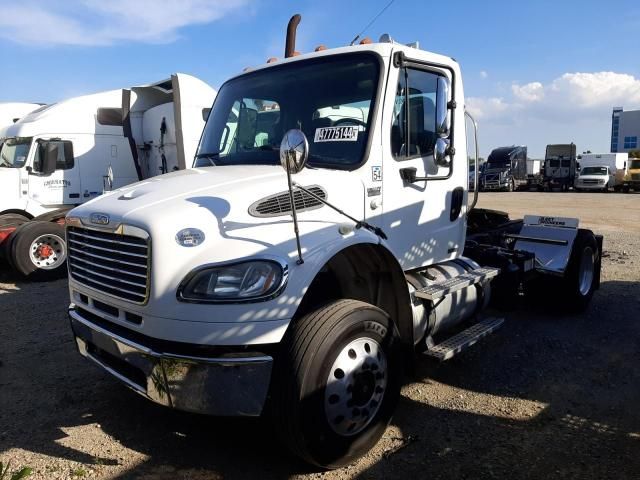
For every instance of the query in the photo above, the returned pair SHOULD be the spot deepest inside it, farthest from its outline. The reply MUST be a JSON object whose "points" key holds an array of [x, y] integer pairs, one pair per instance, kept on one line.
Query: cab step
{"points": [[472, 277], [453, 345]]}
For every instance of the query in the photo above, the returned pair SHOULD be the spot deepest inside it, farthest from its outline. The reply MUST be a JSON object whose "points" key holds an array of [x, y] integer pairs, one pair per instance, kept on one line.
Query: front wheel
{"points": [[337, 382]]}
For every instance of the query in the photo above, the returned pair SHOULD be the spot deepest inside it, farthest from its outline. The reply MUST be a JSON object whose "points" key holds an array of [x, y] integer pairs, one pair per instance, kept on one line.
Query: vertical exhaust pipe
{"points": [[290, 43]]}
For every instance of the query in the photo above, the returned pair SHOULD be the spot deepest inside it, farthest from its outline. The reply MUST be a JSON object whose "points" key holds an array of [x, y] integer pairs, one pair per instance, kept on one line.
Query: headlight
{"points": [[246, 281]]}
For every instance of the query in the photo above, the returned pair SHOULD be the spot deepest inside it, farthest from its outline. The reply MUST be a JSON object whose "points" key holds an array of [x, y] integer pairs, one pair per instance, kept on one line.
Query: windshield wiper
{"points": [[5, 162], [208, 156]]}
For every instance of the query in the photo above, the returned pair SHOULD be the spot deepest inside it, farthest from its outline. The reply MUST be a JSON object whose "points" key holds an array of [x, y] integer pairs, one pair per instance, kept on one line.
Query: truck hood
{"points": [[184, 193], [216, 202]]}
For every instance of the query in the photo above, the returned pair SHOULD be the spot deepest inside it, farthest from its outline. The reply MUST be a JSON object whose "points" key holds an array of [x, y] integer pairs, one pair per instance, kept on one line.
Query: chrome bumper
{"points": [[225, 386]]}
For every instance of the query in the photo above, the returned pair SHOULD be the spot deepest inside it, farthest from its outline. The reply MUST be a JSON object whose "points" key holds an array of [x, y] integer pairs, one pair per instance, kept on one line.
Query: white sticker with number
{"points": [[336, 134]]}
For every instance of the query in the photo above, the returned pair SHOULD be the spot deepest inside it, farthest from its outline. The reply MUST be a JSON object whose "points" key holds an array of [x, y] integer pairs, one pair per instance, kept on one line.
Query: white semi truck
{"points": [[601, 171], [67, 153], [306, 259]]}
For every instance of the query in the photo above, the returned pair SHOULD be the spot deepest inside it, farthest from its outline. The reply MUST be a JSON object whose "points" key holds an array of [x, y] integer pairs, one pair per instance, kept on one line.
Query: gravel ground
{"points": [[546, 396]]}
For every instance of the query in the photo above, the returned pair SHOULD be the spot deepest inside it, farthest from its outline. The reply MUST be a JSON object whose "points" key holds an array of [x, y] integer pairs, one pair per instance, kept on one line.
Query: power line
{"points": [[355, 39]]}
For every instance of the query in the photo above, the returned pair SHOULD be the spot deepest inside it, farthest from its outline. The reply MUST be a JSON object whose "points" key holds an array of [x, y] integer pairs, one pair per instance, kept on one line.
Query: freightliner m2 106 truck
{"points": [[241, 287], [67, 153]]}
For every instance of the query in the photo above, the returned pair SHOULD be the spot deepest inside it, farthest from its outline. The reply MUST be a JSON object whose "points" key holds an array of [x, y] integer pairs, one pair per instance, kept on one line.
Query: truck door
{"points": [[424, 220], [58, 187]]}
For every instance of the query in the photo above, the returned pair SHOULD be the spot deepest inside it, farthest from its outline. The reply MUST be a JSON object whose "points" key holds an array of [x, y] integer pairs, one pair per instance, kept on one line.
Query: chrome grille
{"points": [[280, 203], [109, 262]]}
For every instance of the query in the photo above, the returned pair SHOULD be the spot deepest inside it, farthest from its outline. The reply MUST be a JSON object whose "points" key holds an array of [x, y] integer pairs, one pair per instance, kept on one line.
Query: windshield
{"points": [[14, 152], [330, 99], [634, 164], [594, 171], [499, 159]]}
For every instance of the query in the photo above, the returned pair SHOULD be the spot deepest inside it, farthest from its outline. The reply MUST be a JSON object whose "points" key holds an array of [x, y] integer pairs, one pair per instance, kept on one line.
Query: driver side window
{"points": [[414, 115]]}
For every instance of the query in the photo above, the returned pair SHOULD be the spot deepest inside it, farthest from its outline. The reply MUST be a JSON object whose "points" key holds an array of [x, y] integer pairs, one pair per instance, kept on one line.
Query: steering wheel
{"points": [[349, 121]]}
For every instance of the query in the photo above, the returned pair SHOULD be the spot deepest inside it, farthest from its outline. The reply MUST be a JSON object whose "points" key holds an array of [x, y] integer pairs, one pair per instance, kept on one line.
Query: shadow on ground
{"points": [[473, 418]]}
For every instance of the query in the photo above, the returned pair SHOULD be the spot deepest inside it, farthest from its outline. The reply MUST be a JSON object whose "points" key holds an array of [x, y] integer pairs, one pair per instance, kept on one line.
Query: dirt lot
{"points": [[544, 397]]}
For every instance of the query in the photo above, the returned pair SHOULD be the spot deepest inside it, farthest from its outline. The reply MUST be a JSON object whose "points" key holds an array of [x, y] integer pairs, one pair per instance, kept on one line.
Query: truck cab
{"points": [[505, 169], [631, 179], [560, 167], [320, 242]]}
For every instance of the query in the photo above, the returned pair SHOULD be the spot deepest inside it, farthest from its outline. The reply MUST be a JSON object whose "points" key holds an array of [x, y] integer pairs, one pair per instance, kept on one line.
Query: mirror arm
{"points": [[293, 211]]}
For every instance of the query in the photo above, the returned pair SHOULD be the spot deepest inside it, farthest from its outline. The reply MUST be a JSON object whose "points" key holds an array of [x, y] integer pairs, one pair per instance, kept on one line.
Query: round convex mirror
{"points": [[294, 151]]}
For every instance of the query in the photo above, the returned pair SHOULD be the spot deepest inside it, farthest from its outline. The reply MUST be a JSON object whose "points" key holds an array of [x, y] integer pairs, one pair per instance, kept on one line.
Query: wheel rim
{"points": [[48, 251], [355, 386], [585, 273]]}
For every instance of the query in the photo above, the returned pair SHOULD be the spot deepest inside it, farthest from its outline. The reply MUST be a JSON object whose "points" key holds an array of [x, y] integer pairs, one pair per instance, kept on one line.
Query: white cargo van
{"points": [[601, 171]]}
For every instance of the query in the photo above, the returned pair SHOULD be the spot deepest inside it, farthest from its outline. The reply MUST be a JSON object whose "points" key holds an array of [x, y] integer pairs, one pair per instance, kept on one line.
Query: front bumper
{"points": [[590, 186], [495, 185], [225, 385]]}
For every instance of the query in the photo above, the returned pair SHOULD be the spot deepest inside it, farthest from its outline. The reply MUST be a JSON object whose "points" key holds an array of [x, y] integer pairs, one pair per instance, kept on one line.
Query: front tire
{"points": [[38, 250], [337, 382]]}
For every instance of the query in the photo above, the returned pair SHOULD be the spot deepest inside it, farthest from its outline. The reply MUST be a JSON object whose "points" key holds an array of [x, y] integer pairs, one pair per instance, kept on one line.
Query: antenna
{"points": [[355, 39]]}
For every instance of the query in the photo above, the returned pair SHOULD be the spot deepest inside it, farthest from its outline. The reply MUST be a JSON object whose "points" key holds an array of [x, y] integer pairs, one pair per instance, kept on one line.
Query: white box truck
{"points": [[252, 283], [601, 171], [69, 152]]}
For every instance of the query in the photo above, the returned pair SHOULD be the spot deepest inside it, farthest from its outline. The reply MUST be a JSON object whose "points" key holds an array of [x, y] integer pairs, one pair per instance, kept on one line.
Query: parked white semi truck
{"points": [[241, 286], [601, 171], [67, 153]]}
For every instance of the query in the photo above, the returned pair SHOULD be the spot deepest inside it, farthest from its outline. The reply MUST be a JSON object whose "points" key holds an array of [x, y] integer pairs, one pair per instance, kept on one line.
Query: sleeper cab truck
{"points": [[67, 153]]}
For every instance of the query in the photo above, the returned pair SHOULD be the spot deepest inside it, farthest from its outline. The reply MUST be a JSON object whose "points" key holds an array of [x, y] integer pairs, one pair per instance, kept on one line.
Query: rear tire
{"points": [[573, 292], [336, 382], [38, 250], [580, 279]]}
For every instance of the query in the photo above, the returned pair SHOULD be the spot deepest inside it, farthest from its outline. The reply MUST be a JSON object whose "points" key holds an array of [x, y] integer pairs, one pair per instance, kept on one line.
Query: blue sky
{"points": [[535, 72]]}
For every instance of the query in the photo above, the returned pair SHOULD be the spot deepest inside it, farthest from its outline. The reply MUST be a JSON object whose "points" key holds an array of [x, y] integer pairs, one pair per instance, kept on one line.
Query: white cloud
{"points": [[573, 107], [483, 74], [531, 92], [105, 22]]}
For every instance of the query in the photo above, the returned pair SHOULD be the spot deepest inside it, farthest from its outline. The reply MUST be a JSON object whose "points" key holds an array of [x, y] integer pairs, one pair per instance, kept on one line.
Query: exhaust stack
{"points": [[290, 43]]}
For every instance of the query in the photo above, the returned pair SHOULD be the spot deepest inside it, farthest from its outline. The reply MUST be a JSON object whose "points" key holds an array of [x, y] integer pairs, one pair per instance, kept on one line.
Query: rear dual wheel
{"points": [[337, 382]]}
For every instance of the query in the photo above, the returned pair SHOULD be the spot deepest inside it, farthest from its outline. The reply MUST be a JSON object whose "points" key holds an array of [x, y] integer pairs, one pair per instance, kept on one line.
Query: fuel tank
{"points": [[431, 317]]}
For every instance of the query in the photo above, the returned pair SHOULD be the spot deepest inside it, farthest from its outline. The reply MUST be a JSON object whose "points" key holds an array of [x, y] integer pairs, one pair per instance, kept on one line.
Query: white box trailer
{"points": [[67, 153], [533, 166], [615, 161]]}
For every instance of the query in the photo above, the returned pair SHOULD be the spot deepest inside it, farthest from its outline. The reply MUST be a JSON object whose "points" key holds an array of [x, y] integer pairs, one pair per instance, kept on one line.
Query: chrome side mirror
{"points": [[294, 151], [442, 109], [441, 153]]}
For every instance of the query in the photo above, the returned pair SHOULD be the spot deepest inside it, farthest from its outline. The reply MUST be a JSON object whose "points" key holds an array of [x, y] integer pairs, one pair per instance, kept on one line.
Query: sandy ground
{"points": [[546, 396]]}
